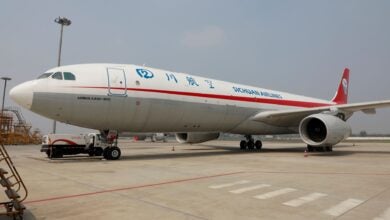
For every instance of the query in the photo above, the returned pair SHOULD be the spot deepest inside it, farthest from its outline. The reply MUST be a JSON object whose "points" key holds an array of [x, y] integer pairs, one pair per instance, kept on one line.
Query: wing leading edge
{"points": [[292, 118]]}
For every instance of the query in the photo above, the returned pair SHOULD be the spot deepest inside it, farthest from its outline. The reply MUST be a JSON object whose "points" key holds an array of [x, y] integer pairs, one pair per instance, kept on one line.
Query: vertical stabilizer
{"points": [[341, 96]]}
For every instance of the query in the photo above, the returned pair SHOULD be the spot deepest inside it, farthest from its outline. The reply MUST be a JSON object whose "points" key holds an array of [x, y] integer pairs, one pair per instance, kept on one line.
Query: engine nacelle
{"points": [[195, 137], [323, 130]]}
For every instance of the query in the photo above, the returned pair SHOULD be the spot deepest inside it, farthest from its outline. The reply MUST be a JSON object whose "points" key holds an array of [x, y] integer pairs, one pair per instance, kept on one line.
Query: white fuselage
{"points": [[142, 99]]}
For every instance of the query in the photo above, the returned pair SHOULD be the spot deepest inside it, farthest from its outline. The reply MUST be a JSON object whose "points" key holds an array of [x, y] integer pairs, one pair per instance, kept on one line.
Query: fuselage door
{"points": [[116, 81]]}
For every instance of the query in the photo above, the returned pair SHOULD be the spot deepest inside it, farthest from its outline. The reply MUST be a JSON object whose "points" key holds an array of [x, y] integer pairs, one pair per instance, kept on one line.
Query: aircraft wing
{"points": [[293, 117]]}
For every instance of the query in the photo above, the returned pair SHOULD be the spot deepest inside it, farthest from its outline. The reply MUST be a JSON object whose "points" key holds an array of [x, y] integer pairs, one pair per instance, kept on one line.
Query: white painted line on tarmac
{"points": [[384, 216], [274, 193], [229, 184], [343, 207], [305, 199], [250, 188]]}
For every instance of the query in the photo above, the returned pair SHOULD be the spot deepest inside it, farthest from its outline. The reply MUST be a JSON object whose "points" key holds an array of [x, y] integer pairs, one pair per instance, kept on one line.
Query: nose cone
{"points": [[23, 94]]}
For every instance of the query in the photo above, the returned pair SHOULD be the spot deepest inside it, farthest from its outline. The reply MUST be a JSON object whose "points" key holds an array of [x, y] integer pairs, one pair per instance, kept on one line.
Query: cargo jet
{"points": [[131, 98]]}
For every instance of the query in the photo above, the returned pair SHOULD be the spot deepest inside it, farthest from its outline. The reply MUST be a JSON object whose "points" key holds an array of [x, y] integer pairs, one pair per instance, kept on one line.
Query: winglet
{"points": [[341, 96]]}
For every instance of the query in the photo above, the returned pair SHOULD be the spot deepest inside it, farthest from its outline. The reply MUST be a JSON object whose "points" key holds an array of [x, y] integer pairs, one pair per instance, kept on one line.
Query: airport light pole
{"points": [[63, 22], [5, 86]]}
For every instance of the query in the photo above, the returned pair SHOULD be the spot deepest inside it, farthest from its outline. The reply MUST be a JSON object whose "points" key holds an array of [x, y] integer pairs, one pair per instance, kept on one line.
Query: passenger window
{"points": [[69, 76], [57, 75]]}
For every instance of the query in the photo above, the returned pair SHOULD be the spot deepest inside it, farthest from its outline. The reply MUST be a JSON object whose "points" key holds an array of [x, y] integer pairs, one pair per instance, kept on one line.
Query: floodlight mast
{"points": [[63, 22]]}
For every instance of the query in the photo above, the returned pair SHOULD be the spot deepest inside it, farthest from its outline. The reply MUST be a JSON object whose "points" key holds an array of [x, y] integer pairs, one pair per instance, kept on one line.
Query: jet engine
{"points": [[195, 137], [323, 130]]}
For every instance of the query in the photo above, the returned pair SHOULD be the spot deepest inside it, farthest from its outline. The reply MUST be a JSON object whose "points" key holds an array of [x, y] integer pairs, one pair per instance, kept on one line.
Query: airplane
{"points": [[131, 98]]}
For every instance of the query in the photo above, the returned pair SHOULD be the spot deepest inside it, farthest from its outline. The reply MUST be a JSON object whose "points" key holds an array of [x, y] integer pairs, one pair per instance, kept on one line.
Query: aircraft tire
{"points": [[112, 153], [258, 144], [115, 153], [251, 145], [243, 145]]}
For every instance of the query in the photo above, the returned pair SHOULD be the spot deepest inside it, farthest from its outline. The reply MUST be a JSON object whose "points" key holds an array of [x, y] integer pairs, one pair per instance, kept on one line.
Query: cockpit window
{"points": [[69, 76], [57, 75], [45, 75]]}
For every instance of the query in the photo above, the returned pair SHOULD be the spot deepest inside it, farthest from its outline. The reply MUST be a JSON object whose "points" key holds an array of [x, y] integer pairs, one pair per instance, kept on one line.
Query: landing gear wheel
{"points": [[258, 145], [243, 145], [251, 145], [98, 151], [115, 153], [112, 153]]}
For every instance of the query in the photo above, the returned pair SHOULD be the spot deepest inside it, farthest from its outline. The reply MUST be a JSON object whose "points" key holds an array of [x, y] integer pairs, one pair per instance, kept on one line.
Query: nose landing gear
{"points": [[250, 143], [111, 151]]}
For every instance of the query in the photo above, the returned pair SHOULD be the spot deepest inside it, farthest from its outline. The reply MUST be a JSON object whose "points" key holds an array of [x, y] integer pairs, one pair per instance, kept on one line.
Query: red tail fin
{"points": [[341, 96]]}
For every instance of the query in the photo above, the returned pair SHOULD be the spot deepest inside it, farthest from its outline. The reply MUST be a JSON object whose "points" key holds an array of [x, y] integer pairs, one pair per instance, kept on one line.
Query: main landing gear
{"points": [[319, 149], [250, 143]]}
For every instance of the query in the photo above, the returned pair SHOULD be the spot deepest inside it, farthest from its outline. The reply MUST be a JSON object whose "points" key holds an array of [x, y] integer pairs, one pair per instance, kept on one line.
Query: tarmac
{"points": [[214, 180]]}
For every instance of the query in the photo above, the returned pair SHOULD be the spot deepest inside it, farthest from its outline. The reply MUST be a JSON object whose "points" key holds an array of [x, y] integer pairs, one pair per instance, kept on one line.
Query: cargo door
{"points": [[116, 81]]}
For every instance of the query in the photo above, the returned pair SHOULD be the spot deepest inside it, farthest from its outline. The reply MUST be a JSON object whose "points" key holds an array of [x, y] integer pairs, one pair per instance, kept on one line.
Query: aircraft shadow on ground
{"points": [[298, 150], [212, 150], [343, 153], [178, 153]]}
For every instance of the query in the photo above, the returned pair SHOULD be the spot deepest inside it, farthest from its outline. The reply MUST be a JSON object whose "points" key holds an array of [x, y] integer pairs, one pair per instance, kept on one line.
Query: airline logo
{"points": [[144, 73], [256, 92], [345, 86]]}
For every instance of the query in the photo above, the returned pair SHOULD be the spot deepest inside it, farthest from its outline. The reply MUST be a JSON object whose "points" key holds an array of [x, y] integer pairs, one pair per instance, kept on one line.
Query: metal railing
{"points": [[16, 190]]}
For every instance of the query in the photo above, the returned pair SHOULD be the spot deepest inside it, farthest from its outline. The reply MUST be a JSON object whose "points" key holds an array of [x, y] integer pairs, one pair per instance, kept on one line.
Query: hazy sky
{"points": [[294, 46]]}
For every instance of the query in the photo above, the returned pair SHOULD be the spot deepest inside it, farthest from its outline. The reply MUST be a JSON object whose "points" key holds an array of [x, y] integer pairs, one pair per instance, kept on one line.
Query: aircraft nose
{"points": [[23, 94]]}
